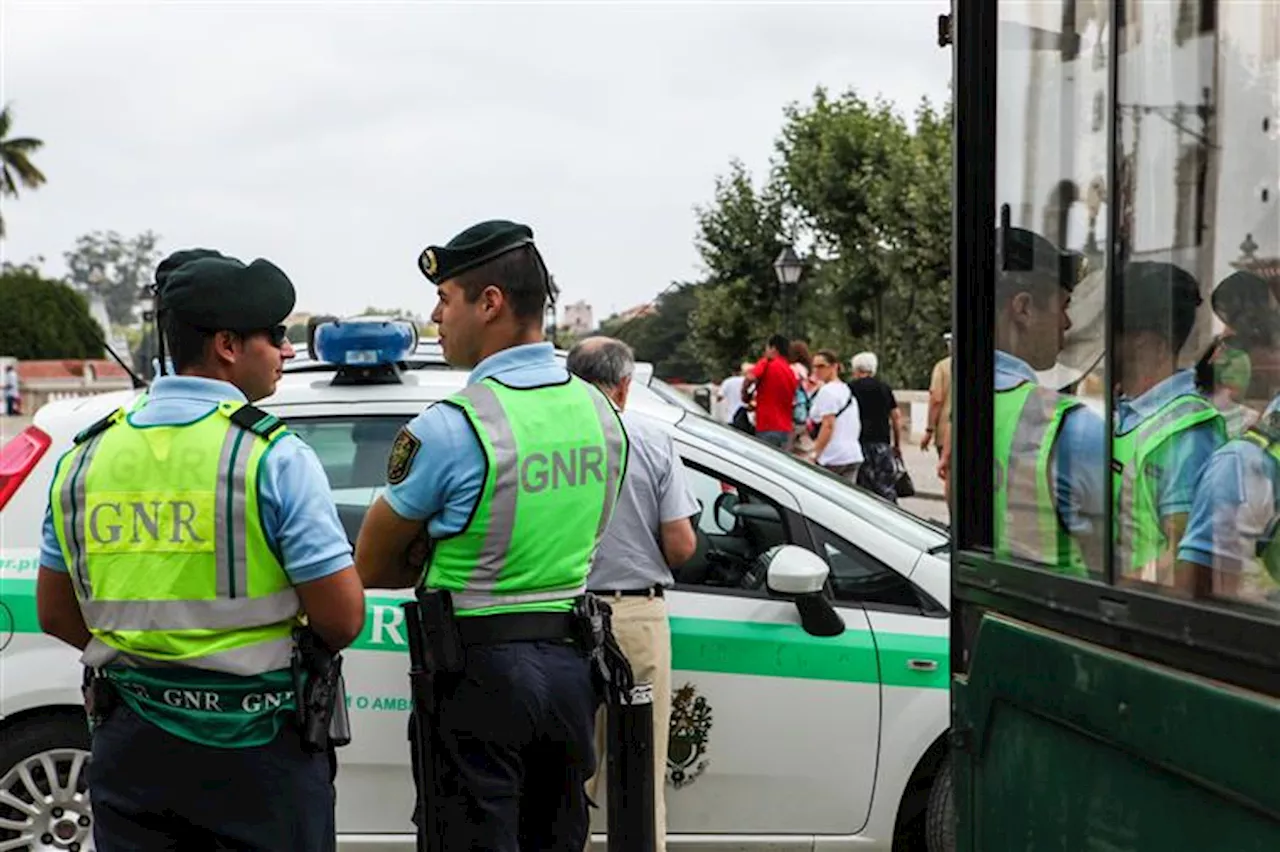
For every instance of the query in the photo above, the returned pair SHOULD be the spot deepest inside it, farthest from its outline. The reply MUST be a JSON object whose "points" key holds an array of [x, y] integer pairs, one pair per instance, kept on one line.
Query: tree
{"points": [[662, 336], [115, 268], [44, 318], [740, 234], [868, 197], [15, 161]]}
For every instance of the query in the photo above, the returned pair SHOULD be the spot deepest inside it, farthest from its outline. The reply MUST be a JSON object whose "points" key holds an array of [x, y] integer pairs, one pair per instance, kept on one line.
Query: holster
{"points": [[320, 694], [610, 670], [100, 697]]}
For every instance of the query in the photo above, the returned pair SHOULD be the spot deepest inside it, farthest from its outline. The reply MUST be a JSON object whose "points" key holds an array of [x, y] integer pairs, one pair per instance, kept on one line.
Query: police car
{"points": [[809, 631]]}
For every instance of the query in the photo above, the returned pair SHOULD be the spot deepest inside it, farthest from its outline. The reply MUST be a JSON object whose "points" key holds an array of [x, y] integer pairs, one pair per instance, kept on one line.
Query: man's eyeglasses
{"points": [[277, 335]]}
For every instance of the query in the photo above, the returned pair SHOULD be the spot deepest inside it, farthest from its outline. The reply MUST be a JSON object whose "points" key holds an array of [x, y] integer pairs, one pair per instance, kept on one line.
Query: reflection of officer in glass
{"points": [[197, 530], [1166, 427], [1232, 526], [515, 478], [1048, 448]]}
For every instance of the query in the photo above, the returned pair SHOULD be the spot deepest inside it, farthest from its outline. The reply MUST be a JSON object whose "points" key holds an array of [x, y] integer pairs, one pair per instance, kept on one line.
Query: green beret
{"points": [[178, 258], [1027, 251], [219, 293], [477, 245]]}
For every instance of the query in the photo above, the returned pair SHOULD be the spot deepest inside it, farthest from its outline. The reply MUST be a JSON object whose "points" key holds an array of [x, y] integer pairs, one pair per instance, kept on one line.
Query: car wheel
{"points": [[940, 814], [44, 785]]}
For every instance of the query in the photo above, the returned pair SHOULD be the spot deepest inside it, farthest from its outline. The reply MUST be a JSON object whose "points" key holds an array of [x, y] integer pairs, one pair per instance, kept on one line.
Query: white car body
{"points": [[783, 740]]}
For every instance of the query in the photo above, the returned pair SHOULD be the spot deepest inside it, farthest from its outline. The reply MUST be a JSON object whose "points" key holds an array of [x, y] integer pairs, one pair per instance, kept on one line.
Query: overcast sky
{"points": [[339, 139]]}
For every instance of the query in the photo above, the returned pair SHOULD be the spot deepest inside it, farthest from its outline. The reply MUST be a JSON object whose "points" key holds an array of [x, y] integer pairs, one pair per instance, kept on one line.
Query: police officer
{"points": [[1166, 426], [185, 538], [1048, 447], [515, 479], [650, 533]]}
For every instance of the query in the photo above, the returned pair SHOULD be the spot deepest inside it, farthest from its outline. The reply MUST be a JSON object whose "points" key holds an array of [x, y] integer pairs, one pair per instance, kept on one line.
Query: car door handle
{"points": [[922, 665]]}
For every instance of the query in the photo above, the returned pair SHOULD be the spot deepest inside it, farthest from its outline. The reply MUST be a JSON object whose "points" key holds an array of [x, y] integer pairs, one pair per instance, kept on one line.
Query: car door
{"points": [[773, 731], [374, 782]]}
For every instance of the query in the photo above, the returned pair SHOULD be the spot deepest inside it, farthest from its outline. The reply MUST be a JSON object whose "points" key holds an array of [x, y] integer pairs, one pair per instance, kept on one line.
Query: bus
{"points": [[1115, 460]]}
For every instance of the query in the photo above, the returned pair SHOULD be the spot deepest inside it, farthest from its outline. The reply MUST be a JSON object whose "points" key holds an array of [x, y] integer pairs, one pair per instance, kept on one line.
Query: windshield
{"points": [[898, 522]]}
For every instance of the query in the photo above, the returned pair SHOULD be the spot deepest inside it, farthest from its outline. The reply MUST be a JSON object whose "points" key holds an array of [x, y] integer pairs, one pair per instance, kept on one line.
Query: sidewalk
{"points": [[10, 426]]}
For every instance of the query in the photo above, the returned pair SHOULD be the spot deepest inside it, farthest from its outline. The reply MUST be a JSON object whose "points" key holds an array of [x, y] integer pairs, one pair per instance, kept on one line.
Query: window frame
{"points": [[794, 525], [1197, 636], [928, 607]]}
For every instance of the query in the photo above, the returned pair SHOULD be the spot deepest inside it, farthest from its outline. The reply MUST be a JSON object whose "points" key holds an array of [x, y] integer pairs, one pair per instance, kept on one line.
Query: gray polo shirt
{"points": [[654, 492]]}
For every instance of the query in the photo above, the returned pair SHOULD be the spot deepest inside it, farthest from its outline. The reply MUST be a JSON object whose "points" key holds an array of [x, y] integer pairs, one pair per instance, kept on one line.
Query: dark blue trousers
{"points": [[157, 792], [514, 748]]}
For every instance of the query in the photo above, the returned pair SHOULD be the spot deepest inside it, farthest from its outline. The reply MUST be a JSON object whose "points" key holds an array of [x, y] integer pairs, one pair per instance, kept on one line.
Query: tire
{"points": [[940, 813], [54, 750]]}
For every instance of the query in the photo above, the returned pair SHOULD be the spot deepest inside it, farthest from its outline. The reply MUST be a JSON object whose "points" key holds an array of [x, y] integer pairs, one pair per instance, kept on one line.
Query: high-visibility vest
{"points": [[1140, 539], [1028, 422], [161, 530], [555, 456], [1268, 552]]}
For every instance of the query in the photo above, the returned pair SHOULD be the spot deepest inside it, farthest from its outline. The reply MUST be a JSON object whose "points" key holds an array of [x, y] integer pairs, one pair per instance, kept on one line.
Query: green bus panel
{"points": [[1073, 747]]}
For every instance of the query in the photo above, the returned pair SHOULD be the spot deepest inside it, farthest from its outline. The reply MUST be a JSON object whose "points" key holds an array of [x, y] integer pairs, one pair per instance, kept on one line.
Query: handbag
{"points": [[813, 427], [902, 478]]}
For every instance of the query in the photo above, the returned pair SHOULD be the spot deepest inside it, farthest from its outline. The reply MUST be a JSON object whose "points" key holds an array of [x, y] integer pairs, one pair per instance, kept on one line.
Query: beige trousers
{"points": [[644, 634]]}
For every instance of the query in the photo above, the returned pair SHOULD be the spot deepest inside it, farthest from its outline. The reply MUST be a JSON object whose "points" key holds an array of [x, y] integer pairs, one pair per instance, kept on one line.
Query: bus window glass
{"points": [[1198, 324], [1048, 428]]}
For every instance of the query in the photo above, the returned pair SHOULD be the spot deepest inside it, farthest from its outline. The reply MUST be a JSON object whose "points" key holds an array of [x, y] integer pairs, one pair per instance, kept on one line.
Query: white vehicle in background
{"points": [[814, 717]]}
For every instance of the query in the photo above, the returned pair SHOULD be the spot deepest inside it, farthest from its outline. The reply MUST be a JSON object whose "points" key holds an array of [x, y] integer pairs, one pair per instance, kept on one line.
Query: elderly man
{"points": [[650, 533], [881, 427]]}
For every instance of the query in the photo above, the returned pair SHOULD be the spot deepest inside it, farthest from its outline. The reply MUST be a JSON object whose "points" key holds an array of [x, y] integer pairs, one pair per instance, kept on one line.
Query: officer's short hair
{"points": [[521, 277], [865, 362], [185, 343], [603, 361]]}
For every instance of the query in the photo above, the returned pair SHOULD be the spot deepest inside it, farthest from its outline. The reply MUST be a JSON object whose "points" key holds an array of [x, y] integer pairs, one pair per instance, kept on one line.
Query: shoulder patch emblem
{"points": [[400, 459]]}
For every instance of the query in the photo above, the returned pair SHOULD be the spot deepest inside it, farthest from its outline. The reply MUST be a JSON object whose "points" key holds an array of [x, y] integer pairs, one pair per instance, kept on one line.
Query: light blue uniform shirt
{"points": [[1177, 464], [1080, 471], [298, 514], [447, 472], [1234, 503]]}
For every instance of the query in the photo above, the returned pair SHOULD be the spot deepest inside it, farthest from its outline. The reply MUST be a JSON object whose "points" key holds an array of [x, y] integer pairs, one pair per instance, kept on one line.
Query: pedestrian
{"points": [[12, 393], [735, 411], [188, 623], [881, 434], [651, 533], [509, 484], [837, 424], [806, 388], [773, 383], [938, 426]]}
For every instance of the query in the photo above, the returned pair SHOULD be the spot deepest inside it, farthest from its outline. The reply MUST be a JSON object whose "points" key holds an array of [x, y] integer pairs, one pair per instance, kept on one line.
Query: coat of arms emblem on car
{"points": [[689, 732]]}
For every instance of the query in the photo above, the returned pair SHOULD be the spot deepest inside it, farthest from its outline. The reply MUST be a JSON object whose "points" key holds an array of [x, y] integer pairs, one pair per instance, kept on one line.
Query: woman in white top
{"points": [[834, 415]]}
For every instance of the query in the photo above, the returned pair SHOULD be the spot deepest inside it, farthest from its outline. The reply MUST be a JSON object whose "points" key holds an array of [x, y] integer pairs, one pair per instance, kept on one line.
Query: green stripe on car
{"points": [[697, 645]]}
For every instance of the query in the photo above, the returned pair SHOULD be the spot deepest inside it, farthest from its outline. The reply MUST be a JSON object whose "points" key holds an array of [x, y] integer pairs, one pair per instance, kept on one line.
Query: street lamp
{"points": [[788, 268]]}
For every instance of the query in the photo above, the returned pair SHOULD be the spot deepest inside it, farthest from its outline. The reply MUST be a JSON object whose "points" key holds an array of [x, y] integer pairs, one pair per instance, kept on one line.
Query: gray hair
{"points": [[865, 362], [603, 361]]}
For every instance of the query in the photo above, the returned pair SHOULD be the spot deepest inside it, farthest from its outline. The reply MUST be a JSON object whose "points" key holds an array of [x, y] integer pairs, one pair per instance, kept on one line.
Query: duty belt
{"points": [[515, 627]]}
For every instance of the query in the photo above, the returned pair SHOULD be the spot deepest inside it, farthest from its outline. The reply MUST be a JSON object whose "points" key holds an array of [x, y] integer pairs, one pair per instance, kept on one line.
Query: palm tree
{"points": [[15, 164]]}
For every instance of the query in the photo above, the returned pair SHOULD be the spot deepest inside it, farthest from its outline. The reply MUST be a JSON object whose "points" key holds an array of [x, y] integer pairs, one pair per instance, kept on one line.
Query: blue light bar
{"points": [[365, 342]]}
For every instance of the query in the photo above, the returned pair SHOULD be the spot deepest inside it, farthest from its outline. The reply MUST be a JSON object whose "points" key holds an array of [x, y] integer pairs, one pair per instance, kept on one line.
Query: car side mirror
{"points": [[726, 517], [802, 575]]}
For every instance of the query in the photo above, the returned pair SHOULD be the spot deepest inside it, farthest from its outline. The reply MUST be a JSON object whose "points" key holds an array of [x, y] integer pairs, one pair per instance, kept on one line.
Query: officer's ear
{"points": [[492, 300], [224, 346], [1020, 307]]}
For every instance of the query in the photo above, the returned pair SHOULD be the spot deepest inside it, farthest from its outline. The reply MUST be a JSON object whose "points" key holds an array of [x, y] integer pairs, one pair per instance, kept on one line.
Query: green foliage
{"points": [[44, 318], [868, 198], [116, 268], [662, 337], [16, 168]]}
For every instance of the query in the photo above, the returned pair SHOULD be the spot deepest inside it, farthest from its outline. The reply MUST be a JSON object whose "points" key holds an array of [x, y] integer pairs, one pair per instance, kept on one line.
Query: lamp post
{"points": [[788, 268], [147, 343]]}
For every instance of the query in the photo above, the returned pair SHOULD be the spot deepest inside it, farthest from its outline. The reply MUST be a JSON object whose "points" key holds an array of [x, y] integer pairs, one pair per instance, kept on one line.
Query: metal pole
{"points": [[630, 773]]}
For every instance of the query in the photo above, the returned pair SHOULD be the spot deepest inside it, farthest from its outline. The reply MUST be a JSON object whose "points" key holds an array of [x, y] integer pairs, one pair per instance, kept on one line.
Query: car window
{"points": [[731, 538], [783, 468], [353, 452], [858, 577]]}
